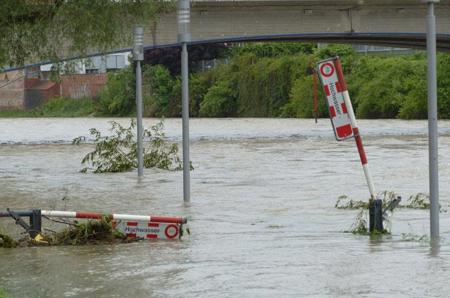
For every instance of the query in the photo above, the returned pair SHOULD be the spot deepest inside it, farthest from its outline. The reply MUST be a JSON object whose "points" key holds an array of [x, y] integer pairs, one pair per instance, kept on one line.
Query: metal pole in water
{"points": [[184, 37], [432, 120], [138, 54]]}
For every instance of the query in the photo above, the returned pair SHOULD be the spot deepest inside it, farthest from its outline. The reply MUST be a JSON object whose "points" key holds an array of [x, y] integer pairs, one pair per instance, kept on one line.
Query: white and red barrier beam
{"points": [[341, 110], [130, 217]]}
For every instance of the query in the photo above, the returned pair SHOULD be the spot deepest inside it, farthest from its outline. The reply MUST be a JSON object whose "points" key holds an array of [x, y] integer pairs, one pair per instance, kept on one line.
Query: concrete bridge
{"points": [[215, 19]]}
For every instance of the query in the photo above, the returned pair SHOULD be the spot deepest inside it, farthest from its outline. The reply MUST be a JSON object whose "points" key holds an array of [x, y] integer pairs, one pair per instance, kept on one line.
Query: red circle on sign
{"points": [[168, 233], [327, 69]]}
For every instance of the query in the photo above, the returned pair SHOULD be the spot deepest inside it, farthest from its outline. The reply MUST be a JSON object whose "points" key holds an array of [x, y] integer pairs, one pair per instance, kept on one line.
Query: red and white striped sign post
{"points": [[341, 110]]}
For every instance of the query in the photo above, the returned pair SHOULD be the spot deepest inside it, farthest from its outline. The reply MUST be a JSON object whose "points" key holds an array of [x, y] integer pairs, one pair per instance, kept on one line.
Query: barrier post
{"points": [[35, 223]]}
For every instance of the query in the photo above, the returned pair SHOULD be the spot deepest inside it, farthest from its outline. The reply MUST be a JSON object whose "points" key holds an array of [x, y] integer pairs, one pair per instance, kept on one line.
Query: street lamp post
{"points": [[432, 120], [184, 36], [138, 55]]}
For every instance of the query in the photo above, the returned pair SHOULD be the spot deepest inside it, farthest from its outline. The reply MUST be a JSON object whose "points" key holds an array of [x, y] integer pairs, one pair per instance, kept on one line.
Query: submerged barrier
{"points": [[132, 226]]}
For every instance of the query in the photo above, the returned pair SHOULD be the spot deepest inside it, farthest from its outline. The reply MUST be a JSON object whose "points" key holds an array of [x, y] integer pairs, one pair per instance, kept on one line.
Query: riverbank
{"points": [[57, 107]]}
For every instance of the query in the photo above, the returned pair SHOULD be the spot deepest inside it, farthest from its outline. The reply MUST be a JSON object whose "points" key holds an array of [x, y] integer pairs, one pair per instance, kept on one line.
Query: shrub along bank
{"points": [[269, 80], [264, 80]]}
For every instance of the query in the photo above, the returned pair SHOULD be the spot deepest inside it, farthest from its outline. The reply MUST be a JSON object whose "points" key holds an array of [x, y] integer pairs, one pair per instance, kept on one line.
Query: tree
{"points": [[34, 30]]}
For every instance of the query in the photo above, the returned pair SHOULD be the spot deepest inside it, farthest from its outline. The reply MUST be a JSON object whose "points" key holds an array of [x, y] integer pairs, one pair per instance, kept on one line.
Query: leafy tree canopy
{"points": [[34, 30]]}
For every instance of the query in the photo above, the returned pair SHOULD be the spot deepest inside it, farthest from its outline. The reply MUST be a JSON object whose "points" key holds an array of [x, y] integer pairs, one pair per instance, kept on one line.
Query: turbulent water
{"points": [[262, 216]]}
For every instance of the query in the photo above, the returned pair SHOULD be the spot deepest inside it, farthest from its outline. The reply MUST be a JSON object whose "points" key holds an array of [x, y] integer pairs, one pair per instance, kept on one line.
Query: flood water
{"points": [[262, 217]]}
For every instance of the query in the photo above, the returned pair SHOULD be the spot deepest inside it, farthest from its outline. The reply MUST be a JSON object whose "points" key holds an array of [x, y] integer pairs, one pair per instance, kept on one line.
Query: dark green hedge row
{"points": [[268, 80]]}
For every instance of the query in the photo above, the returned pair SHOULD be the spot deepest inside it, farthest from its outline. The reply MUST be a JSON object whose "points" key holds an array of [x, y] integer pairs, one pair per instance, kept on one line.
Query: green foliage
{"points": [[118, 152], [38, 30], [301, 100], [220, 100], [264, 84], [7, 242], [3, 293], [89, 232], [274, 49], [118, 98], [163, 96], [384, 84], [273, 80]]}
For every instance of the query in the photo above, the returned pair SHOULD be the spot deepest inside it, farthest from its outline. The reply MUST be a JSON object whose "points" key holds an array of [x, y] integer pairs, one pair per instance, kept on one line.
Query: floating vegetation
{"points": [[417, 201], [89, 232], [7, 242], [117, 153], [360, 227], [344, 202], [409, 237]]}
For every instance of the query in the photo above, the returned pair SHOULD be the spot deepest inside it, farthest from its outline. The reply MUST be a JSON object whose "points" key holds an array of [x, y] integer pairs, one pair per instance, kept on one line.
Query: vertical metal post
{"points": [[432, 120], [35, 223], [138, 54], [184, 37]]}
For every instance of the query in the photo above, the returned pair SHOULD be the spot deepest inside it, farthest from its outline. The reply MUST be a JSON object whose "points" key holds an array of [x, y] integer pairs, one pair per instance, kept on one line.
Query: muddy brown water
{"points": [[262, 216]]}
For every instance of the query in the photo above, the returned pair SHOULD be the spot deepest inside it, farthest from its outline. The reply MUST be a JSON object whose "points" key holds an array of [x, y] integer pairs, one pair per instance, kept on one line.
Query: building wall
{"points": [[82, 85], [12, 90], [19, 92]]}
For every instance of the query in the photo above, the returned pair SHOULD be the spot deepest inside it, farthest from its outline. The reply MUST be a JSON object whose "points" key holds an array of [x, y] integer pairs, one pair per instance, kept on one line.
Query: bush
{"points": [[161, 85], [273, 49], [220, 100], [118, 98], [272, 80], [118, 153], [301, 100]]}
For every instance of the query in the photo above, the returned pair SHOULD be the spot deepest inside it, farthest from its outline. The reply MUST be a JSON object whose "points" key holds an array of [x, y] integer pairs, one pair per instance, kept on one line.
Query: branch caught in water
{"points": [[118, 152]]}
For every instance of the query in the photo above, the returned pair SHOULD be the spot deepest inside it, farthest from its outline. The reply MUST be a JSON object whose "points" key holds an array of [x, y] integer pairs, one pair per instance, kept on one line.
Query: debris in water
{"points": [[7, 242], [360, 227], [418, 201], [344, 202], [89, 232], [415, 238]]}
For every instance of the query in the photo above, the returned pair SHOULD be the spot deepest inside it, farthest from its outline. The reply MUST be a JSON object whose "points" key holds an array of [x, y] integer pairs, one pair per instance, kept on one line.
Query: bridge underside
{"points": [[226, 19], [401, 40]]}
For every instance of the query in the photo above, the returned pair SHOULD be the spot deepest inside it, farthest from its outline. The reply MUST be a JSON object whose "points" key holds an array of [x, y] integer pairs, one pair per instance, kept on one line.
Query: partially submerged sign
{"points": [[130, 225], [148, 230], [333, 89]]}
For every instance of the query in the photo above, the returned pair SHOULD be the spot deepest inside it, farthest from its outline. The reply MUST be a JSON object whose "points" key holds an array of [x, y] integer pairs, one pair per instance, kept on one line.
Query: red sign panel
{"points": [[336, 105]]}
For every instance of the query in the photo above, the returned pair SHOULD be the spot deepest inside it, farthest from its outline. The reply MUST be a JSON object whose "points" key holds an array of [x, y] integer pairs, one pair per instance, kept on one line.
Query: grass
{"points": [[57, 107]]}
